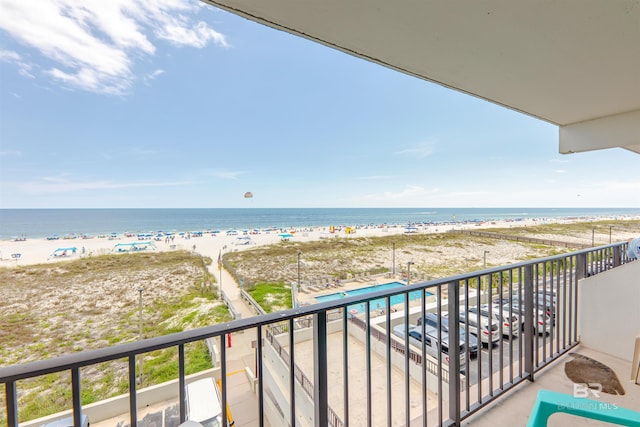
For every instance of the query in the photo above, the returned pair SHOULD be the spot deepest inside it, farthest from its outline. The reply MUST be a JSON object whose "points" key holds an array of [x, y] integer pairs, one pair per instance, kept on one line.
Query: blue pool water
{"points": [[376, 304]]}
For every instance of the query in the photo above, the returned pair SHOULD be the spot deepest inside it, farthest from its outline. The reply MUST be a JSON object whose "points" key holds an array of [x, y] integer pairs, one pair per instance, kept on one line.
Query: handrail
{"points": [[562, 271], [89, 357]]}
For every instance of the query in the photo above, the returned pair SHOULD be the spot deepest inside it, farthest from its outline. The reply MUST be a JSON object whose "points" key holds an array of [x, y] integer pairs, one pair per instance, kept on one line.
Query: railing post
{"points": [[454, 352], [617, 256], [321, 396], [182, 393], [75, 396], [529, 321], [12, 403], [581, 266], [133, 406]]}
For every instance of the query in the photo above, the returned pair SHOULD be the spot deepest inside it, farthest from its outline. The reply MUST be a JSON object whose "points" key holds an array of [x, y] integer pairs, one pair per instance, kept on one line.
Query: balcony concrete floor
{"points": [[516, 405]]}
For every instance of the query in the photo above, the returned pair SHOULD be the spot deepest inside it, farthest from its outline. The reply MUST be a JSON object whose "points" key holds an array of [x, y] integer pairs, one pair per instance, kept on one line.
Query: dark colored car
{"points": [[431, 319]]}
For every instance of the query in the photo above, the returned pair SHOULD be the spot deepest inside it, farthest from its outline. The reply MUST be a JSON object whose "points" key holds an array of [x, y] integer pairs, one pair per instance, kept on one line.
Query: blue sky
{"points": [[176, 104]]}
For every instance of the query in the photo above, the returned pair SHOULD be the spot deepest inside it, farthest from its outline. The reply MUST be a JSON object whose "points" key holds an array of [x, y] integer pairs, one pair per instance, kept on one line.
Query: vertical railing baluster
{"points": [[260, 376], [556, 328], [528, 321], [536, 305], [423, 312], [367, 317], [76, 397], [321, 394], [479, 334], [133, 406], [292, 375], [564, 303], [510, 278], [439, 332], [490, 343], [182, 393], [501, 317], [571, 282], [345, 349], [407, 382], [466, 341], [575, 314], [524, 321], [454, 351], [223, 380], [387, 303], [11, 394], [545, 299]]}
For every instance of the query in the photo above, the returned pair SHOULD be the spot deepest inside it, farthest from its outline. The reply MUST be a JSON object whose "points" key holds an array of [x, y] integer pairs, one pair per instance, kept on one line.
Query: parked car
{"points": [[431, 319], [430, 340], [482, 327], [68, 422], [542, 321], [546, 305], [510, 326]]}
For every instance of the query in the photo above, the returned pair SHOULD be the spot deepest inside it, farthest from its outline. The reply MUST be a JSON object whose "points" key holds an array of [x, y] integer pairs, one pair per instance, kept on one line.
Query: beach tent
{"points": [[64, 252], [133, 247]]}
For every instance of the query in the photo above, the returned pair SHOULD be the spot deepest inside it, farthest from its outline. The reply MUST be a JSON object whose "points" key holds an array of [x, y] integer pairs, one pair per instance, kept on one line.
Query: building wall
{"points": [[609, 310]]}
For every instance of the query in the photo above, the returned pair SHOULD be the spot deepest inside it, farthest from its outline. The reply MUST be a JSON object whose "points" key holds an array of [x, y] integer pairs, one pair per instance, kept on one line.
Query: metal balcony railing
{"points": [[543, 293]]}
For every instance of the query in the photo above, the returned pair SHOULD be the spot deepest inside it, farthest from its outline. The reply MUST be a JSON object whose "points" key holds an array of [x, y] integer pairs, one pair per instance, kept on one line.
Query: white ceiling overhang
{"points": [[573, 63]]}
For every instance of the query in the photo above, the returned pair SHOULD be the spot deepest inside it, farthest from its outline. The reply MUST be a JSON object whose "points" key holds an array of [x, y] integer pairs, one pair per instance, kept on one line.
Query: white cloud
{"points": [[409, 193], [24, 68], [420, 151], [47, 185], [228, 174], [373, 178], [94, 45], [150, 77], [560, 171]]}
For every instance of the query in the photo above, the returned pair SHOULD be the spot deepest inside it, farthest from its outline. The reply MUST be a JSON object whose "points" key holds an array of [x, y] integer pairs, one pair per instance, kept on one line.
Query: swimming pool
{"points": [[377, 304]]}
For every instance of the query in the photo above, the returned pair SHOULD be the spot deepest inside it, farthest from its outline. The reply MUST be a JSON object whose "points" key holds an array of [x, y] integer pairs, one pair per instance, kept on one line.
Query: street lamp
{"points": [[593, 237], [484, 256], [393, 267], [293, 290], [610, 227], [409, 264], [140, 319]]}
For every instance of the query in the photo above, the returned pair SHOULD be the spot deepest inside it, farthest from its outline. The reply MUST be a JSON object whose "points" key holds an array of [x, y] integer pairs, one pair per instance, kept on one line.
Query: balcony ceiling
{"points": [[573, 63]]}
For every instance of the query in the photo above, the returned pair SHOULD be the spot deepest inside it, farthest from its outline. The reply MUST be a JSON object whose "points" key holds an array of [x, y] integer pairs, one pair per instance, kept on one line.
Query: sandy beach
{"points": [[42, 251]]}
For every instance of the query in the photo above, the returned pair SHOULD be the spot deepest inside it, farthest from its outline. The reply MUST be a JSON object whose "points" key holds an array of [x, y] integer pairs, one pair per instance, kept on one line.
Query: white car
{"points": [[510, 326], [542, 321], [486, 330]]}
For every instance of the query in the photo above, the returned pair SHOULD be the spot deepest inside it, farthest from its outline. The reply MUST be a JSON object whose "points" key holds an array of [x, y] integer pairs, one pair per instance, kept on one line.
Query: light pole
{"points": [[293, 291], [140, 319], [610, 227], [393, 267], [484, 256], [220, 272], [409, 264]]}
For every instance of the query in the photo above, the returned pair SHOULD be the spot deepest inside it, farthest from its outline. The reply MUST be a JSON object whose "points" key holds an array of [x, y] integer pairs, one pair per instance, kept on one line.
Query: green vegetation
{"points": [[54, 309], [272, 296]]}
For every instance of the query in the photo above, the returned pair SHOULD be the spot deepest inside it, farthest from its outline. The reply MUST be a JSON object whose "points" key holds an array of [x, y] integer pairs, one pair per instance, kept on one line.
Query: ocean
{"points": [[40, 223]]}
